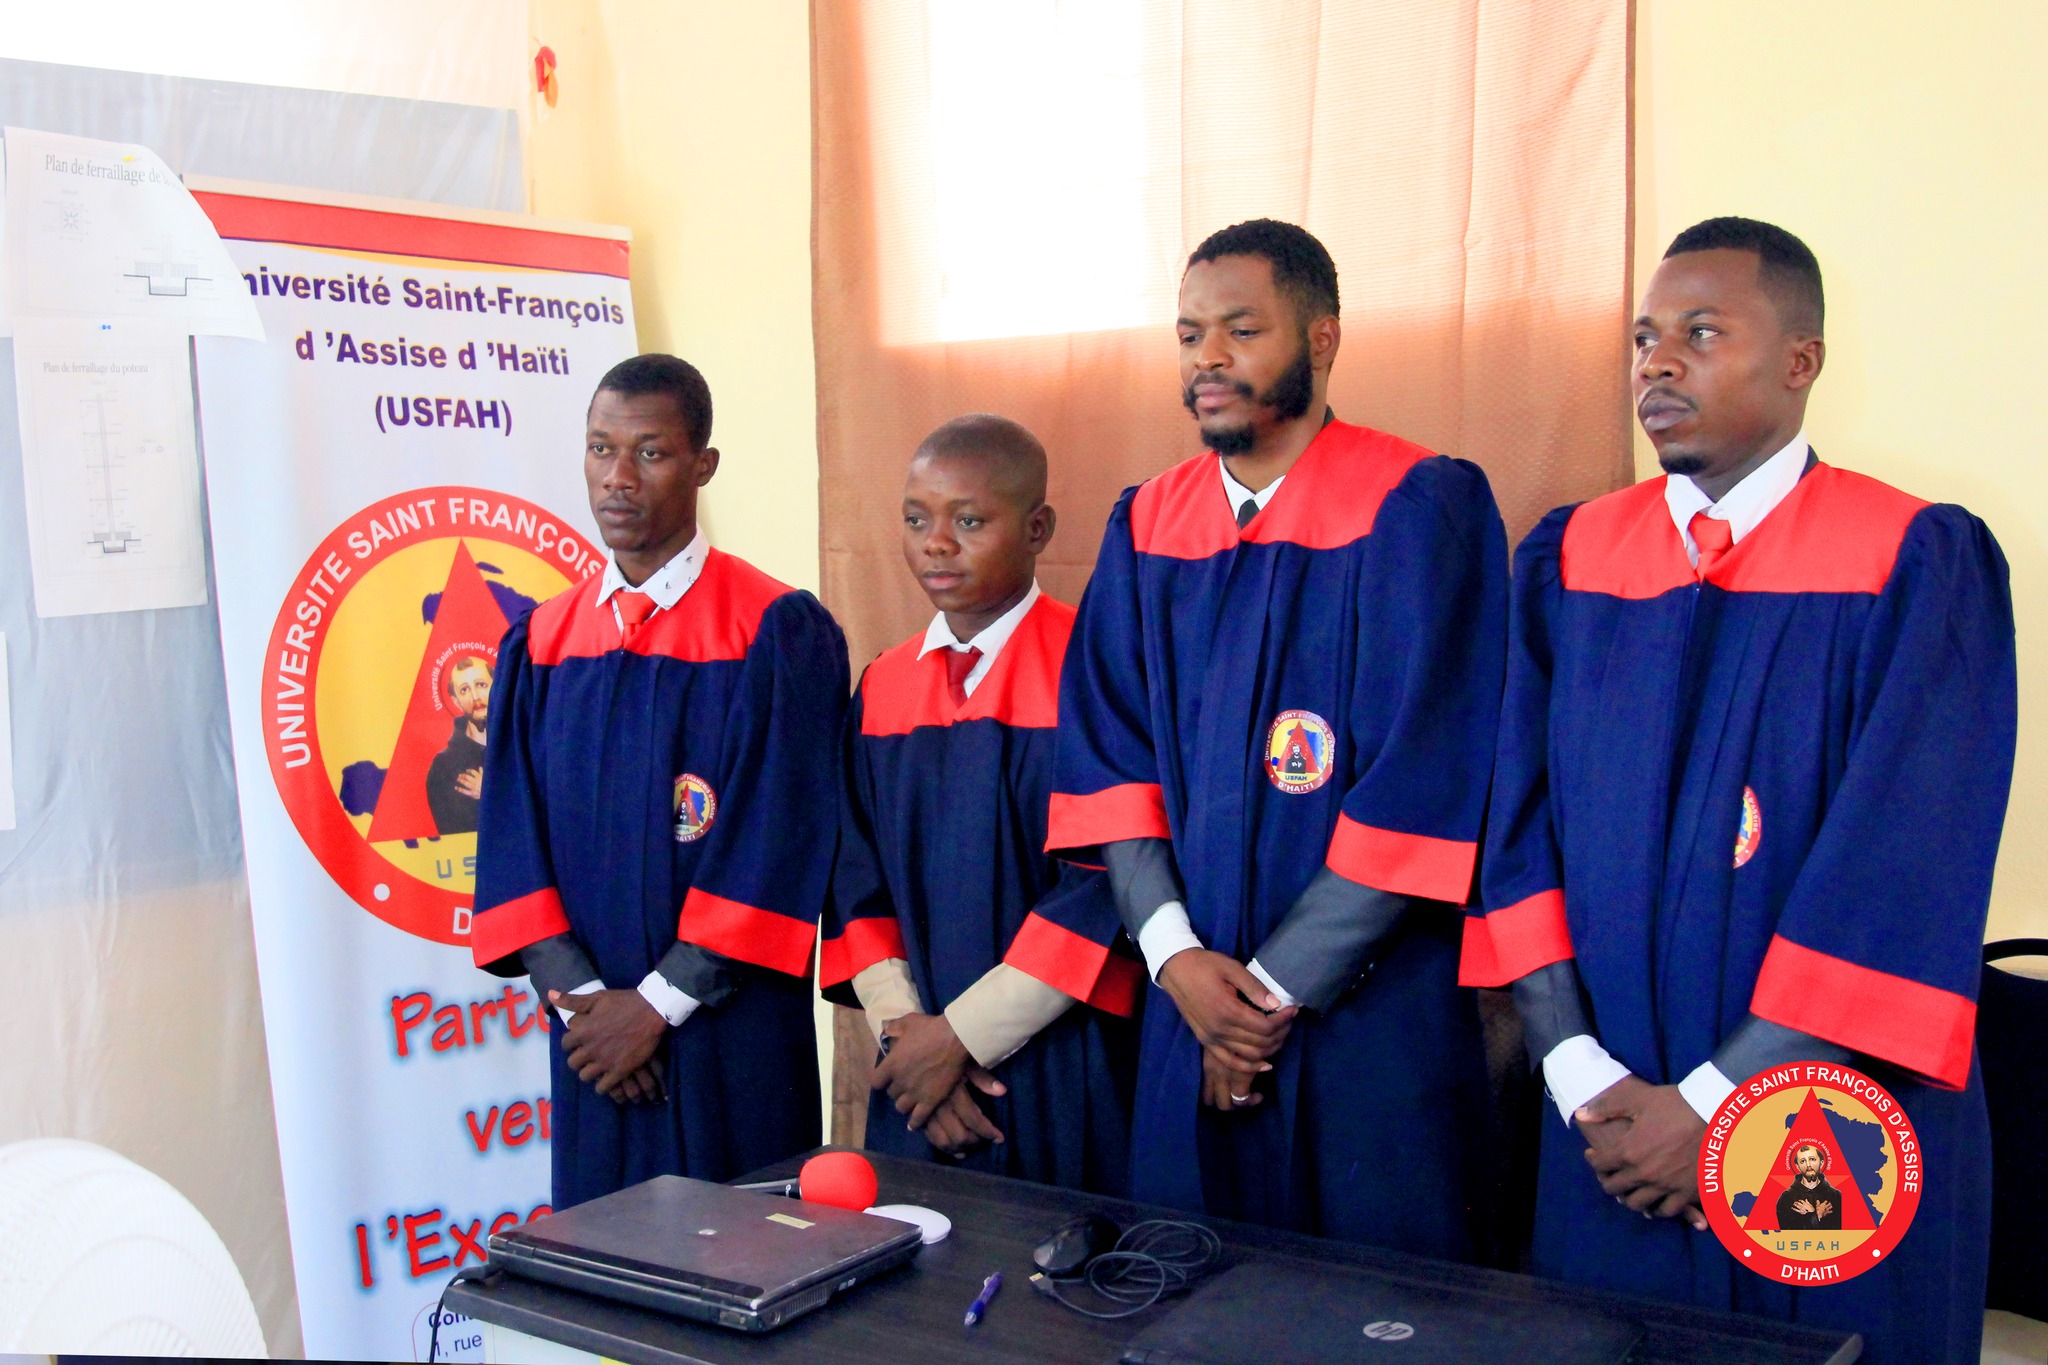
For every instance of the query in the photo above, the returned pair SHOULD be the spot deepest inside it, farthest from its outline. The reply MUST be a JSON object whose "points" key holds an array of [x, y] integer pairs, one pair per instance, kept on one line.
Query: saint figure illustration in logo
{"points": [[1810, 1202], [455, 779], [1297, 757]]}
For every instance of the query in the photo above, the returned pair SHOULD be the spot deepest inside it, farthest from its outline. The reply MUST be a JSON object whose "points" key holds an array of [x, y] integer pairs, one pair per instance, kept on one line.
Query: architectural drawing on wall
{"points": [[110, 464], [110, 528], [102, 231], [169, 279]]}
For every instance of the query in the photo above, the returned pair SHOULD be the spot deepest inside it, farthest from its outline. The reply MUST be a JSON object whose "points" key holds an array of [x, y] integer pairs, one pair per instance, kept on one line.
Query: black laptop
{"points": [[1270, 1315], [737, 1258]]}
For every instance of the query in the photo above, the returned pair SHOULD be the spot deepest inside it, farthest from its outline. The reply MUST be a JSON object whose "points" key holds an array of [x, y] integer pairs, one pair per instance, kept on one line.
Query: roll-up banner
{"points": [[392, 478]]}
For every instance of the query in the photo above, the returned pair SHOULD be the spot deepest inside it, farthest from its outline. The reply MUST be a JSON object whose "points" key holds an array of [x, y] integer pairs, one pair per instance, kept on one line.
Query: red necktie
{"points": [[959, 663], [634, 609], [1713, 537]]}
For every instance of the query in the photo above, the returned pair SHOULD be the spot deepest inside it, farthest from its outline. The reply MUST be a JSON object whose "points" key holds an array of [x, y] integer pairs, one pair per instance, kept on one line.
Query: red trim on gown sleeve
{"points": [[1076, 966], [1507, 945], [504, 929], [863, 943], [1407, 864], [1131, 810], [746, 933], [1895, 1018]]}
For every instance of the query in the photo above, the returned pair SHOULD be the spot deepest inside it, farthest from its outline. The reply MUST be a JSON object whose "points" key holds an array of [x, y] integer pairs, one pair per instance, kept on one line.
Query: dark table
{"points": [[914, 1314]]}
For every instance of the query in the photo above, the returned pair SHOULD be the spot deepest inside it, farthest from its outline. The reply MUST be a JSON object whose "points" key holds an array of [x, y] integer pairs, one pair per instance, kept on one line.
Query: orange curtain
{"points": [[1005, 195]]}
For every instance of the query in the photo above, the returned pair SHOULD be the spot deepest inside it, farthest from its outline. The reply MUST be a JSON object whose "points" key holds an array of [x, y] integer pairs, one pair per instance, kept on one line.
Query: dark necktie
{"points": [[959, 663], [1713, 537], [634, 609], [1245, 513]]}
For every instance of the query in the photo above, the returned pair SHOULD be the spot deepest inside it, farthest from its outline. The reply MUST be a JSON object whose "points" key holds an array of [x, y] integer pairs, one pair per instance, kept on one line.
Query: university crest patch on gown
{"points": [[696, 808], [1300, 748], [1750, 832]]}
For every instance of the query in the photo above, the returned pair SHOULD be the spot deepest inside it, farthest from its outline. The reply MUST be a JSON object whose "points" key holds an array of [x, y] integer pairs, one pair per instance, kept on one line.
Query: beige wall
{"points": [[690, 123], [1905, 146]]}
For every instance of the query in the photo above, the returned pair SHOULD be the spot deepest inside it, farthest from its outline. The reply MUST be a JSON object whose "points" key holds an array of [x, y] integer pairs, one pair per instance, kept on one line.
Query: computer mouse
{"points": [[1074, 1244]]}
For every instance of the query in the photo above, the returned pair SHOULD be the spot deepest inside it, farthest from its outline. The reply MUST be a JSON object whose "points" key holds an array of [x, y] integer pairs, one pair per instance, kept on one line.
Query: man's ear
{"points": [[1809, 354], [1038, 528], [1324, 335], [707, 464]]}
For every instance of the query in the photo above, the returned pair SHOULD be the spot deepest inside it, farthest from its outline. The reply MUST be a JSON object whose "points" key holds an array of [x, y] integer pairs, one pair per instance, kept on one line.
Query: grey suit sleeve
{"points": [[704, 976], [1142, 877], [1758, 1045], [557, 964], [1322, 947], [1551, 1008]]}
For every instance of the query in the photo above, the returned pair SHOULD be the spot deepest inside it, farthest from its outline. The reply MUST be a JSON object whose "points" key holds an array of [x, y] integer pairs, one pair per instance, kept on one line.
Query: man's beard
{"points": [[1687, 465], [1289, 398]]}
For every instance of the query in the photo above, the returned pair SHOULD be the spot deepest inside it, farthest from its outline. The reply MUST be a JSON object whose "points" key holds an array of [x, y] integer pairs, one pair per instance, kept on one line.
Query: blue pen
{"points": [[989, 1287]]}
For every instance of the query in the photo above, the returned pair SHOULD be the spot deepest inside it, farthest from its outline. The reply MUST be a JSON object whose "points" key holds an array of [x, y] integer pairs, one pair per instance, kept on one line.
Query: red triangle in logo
{"points": [[468, 624], [1810, 1125]]}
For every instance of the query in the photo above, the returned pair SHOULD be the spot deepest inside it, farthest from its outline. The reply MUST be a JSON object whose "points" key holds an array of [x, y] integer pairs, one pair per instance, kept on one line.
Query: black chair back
{"points": [[2012, 1049]]}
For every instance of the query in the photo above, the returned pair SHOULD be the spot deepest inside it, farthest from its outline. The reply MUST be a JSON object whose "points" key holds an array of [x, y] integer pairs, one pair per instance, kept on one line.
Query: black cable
{"points": [[475, 1272], [1158, 1257]]}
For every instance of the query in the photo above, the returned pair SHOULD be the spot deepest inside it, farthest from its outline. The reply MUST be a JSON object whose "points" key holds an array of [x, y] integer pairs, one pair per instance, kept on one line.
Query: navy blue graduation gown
{"points": [[591, 825], [942, 862], [1362, 615], [1846, 672]]}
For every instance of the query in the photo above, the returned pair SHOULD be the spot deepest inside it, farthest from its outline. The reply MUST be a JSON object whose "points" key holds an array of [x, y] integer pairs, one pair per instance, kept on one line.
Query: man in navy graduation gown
{"points": [[1754, 758], [658, 818], [1276, 729], [993, 971]]}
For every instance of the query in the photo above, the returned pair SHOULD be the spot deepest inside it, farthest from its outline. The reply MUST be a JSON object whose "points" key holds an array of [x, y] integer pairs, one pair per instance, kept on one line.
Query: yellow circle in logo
{"points": [[1301, 751], [377, 689], [696, 808]]}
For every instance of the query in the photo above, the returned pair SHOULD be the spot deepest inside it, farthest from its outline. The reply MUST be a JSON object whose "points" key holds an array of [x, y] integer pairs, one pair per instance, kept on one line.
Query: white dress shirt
{"points": [[666, 585], [990, 640], [1578, 1068], [1236, 492], [1742, 506]]}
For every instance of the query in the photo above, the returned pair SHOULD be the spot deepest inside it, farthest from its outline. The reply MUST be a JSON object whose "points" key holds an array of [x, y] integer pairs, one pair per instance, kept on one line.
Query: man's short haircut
{"points": [[678, 378], [1813, 1147], [1302, 268], [1786, 268], [1016, 456]]}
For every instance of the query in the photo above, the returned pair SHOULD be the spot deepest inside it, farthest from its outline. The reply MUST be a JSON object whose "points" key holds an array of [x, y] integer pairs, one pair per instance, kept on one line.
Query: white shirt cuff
{"points": [[670, 1003], [1166, 933], [1287, 1001], [1706, 1090], [585, 989], [1576, 1070]]}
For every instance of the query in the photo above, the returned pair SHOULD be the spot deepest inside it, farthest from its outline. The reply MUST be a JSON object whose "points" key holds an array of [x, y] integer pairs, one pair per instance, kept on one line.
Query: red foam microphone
{"points": [[844, 1180]]}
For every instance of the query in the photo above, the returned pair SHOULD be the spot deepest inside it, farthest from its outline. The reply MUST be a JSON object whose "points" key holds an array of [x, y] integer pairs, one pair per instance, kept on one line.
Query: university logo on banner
{"points": [[379, 682], [1810, 1173]]}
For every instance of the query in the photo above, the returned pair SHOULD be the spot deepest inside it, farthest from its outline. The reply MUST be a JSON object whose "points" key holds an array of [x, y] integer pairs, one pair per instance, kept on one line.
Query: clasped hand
{"points": [[931, 1076], [1644, 1144], [1237, 1020], [611, 1044]]}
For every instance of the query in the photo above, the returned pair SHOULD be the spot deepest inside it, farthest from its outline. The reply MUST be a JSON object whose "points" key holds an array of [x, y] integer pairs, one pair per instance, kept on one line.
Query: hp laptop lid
{"points": [[738, 1258], [1273, 1315]]}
